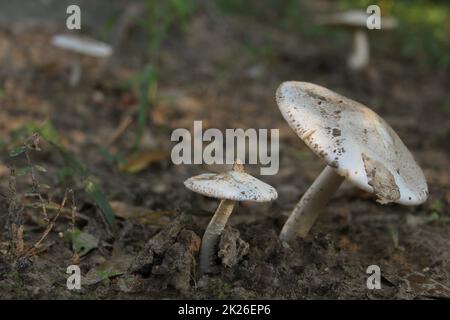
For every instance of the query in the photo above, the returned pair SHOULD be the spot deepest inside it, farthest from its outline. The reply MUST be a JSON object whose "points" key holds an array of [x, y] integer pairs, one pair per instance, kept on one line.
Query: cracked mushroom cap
{"points": [[354, 19], [82, 45], [354, 140], [232, 185]]}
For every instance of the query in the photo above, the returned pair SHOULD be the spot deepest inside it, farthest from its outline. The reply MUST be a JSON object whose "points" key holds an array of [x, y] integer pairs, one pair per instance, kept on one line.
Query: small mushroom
{"points": [[80, 46], [229, 187], [356, 21], [357, 145]]}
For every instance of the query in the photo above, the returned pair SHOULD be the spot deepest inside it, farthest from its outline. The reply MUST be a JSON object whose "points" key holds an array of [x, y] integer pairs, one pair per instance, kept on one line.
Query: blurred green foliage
{"points": [[162, 16], [423, 34], [45, 130], [287, 13], [147, 83]]}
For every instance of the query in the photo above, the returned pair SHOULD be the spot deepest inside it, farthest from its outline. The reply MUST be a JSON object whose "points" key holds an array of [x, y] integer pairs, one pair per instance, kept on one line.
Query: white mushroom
{"points": [[356, 21], [356, 143], [81, 46], [235, 185]]}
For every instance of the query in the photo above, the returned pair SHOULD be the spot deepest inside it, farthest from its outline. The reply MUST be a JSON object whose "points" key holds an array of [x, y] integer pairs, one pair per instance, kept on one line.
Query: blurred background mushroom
{"points": [[80, 46], [356, 22]]}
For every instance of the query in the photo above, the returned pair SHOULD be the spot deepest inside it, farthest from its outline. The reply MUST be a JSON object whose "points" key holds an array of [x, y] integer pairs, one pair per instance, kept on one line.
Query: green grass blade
{"points": [[100, 199], [147, 79]]}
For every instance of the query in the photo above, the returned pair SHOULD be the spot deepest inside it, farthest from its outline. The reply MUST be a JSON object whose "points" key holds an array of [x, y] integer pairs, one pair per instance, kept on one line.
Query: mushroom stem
{"points": [[212, 235], [75, 73], [359, 58], [311, 205]]}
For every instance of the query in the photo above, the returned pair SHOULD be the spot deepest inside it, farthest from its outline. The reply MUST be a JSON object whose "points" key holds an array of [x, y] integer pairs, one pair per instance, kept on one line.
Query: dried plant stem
{"points": [[118, 132], [35, 248], [73, 210], [14, 221], [20, 244], [34, 182]]}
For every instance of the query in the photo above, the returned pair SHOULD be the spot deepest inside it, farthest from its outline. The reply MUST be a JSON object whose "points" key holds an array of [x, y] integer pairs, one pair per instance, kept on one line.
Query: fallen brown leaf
{"points": [[141, 161], [142, 215], [116, 266]]}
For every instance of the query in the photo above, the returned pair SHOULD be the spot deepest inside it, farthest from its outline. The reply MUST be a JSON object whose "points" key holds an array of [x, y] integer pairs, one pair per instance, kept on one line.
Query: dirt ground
{"points": [[217, 71]]}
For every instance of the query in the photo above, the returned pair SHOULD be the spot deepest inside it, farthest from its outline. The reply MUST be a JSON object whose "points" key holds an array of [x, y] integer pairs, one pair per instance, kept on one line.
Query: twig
{"points": [[123, 126], [12, 191], [14, 222], [67, 213], [73, 209], [34, 249], [20, 246], [33, 143]]}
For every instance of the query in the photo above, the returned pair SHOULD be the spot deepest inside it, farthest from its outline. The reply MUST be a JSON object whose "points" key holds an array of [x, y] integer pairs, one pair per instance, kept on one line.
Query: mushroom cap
{"points": [[232, 185], [354, 19], [354, 140], [82, 45]]}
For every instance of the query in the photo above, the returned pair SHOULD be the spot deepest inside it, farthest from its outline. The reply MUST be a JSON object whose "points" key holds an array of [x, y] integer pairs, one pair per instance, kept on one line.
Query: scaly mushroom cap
{"points": [[354, 19], [82, 45], [232, 185], [354, 140]]}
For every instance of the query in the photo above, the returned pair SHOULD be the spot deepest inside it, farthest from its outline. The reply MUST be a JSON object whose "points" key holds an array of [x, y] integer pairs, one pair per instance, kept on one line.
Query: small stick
{"points": [[73, 210], [33, 250], [33, 143], [123, 126], [14, 211]]}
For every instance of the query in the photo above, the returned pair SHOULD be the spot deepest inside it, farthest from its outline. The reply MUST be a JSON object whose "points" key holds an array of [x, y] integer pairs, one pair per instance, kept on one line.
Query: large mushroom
{"points": [[229, 187], [356, 22], [356, 144]]}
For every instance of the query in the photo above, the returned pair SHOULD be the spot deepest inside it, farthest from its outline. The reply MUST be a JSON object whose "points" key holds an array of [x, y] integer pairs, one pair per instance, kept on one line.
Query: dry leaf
{"points": [[141, 161], [142, 215], [82, 242], [117, 265]]}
